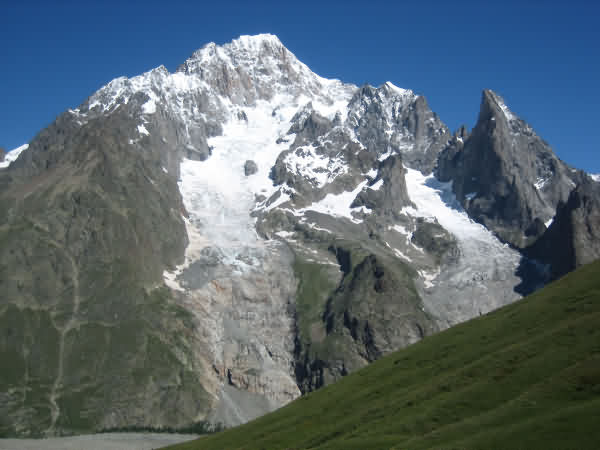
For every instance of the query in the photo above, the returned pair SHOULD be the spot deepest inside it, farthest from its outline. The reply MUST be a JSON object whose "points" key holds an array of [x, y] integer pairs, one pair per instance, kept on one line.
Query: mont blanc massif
{"points": [[207, 245]]}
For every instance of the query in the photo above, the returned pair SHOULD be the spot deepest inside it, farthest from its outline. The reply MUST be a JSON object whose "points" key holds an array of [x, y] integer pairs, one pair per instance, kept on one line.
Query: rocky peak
{"points": [[391, 120], [252, 68], [254, 47], [493, 106], [494, 109], [506, 176]]}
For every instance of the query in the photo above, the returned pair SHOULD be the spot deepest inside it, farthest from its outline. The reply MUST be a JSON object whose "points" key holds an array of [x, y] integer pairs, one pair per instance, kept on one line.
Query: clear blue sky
{"points": [[542, 57]]}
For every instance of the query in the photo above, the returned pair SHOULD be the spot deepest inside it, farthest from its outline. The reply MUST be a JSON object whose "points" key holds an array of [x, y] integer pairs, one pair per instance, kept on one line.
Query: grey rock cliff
{"points": [[250, 168], [392, 120], [506, 176], [392, 196], [573, 238], [91, 328]]}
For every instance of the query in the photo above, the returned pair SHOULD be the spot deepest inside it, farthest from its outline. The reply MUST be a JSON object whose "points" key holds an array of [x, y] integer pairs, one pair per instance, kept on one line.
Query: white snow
{"points": [[595, 177], [337, 205], [150, 106], [377, 185], [399, 254], [283, 197], [385, 155], [372, 173], [435, 200], [142, 129], [314, 226], [170, 280], [398, 90], [219, 197], [483, 275], [217, 194], [317, 168], [505, 110], [12, 155], [549, 222], [402, 230], [539, 184], [471, 195], [284, 234], [429, 277]]}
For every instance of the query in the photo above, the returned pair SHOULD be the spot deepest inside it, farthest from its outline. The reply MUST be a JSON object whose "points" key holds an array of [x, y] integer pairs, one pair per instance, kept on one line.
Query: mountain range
{"points": [[207, 245]]}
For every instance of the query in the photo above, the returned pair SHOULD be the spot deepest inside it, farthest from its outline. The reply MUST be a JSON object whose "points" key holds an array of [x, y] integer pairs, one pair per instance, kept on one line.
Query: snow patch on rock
{"points": [[12, 156], [483, 276]]}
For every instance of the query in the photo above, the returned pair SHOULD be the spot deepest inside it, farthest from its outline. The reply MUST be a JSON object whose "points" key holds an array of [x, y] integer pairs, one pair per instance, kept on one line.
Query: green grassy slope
{"points": [[525, 376]]}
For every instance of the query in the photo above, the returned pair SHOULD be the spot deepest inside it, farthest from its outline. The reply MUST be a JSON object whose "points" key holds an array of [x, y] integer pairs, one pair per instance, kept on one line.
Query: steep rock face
{"points": [[372, 309], [573, 238], [506, 177], [250, 168], [93, 336], [387, 193], [394, 120], [232, 71]]}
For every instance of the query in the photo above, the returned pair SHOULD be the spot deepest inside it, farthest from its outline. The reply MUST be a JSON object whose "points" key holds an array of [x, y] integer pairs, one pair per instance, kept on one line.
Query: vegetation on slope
{"points": [[524, 376]]}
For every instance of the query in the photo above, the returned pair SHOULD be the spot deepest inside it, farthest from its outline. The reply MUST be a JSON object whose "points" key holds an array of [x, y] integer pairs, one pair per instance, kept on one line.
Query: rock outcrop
{"points": [[573, 238], [250, 168], [505, 175]]}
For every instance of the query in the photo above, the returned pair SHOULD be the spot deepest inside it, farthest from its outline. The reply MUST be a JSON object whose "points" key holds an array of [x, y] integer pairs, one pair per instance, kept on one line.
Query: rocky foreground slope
{"points": [[206, 245]]}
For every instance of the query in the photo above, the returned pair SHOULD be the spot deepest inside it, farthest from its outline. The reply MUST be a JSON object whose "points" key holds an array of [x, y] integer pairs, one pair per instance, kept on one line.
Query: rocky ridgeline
{"points": [[505, 175], [208, 244]]}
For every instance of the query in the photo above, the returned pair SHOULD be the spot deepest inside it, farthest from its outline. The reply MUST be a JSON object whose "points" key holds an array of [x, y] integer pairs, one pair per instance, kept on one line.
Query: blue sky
{"points": [[542, 57]]}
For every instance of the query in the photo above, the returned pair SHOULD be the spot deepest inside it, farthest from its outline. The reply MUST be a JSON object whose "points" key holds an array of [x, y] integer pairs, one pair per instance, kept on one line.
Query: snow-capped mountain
{"points": [[207, 245]]}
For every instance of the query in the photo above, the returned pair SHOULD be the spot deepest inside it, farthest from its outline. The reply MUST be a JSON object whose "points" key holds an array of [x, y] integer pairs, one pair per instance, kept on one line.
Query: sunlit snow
{"points": [[377, 185], [12, 155], [337, 205], [539, 184], [481, 251], [217, 194], [320, 169]]}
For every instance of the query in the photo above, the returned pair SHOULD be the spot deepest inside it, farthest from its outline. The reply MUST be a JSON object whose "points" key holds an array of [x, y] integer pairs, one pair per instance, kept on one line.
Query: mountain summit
{"points": [[205, 246], [507, 176]]}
